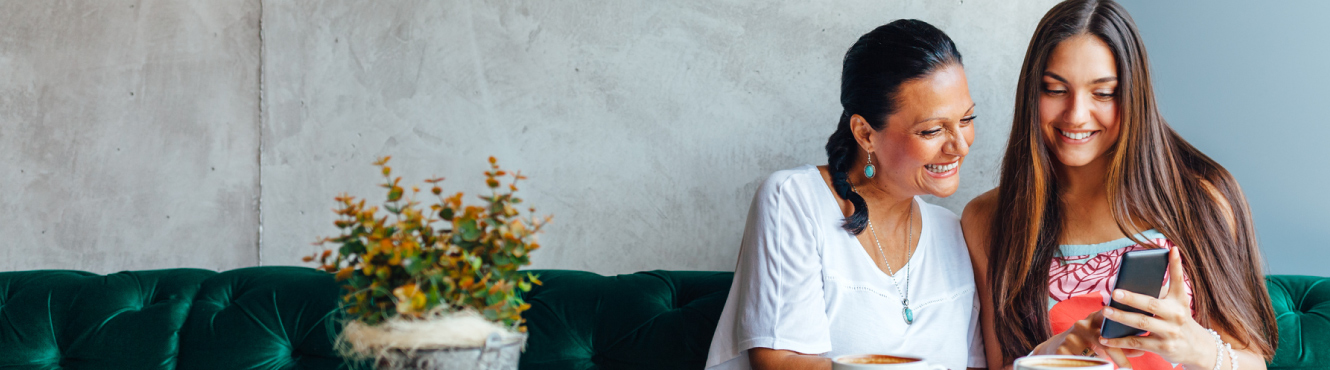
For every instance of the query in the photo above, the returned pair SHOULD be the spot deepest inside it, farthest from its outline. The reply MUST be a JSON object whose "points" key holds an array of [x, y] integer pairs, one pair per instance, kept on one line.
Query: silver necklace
{"points": [[906, 313]]}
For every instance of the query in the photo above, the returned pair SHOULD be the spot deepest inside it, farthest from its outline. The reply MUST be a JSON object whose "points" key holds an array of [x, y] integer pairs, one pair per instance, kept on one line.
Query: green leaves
{"points": [[470, 231], [403, 264]]}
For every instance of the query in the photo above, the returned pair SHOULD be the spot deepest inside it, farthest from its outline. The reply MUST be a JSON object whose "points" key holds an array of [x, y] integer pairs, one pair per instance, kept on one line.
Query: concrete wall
{"points": [[129, 134], [1245, 82], [645, 126]]}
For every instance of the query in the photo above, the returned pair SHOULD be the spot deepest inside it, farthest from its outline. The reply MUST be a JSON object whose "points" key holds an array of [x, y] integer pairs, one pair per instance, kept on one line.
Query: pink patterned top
{"points": [[1081, 279]]}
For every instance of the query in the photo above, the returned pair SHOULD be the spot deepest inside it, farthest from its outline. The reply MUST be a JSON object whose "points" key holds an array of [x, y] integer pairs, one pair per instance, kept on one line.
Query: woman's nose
{"points": [[958, 146], [1078, 112]]}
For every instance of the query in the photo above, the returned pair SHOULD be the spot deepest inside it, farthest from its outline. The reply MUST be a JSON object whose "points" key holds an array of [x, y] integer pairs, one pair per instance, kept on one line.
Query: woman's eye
{"points": [[968, 120], [1105, 95], [931, 132], [1054, 92]]}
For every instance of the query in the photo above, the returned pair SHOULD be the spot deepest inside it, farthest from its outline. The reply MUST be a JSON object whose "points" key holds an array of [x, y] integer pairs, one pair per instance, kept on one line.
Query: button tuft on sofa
{"points": [[646, 320], [1302, 309]]}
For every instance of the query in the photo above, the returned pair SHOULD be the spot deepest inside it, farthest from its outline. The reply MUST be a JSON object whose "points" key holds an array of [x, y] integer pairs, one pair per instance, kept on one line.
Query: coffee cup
{"points": [[1061, 362], [881, 362]]}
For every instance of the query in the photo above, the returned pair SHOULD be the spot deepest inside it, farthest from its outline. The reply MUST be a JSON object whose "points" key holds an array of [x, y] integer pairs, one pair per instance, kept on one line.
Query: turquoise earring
{"points": [[869, 171]]}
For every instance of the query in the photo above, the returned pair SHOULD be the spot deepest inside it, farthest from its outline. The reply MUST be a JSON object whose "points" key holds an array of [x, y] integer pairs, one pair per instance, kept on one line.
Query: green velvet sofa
{"points": [[282, 318]]}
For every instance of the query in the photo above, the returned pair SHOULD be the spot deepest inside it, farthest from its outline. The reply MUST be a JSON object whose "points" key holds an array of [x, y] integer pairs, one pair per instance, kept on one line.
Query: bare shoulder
{"points": [[975, 220], [979, 211]]}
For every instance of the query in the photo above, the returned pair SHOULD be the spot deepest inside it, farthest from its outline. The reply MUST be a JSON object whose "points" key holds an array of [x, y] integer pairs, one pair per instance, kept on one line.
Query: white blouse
{"points": [[804, 284]]}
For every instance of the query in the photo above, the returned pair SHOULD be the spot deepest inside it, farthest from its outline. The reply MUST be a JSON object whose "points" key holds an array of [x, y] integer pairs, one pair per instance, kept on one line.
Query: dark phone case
{"points": [[1141, 272]]}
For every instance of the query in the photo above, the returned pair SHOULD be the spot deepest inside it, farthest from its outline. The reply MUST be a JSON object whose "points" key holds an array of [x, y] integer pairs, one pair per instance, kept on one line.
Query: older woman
{"points": [[845, 258]]}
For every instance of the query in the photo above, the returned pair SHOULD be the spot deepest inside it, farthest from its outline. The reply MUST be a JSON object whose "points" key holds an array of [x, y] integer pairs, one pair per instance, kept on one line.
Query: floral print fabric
{"points": [[1080, 285]]}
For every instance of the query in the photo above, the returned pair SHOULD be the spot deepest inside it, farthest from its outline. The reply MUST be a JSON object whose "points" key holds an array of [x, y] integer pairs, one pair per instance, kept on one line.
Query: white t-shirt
{"points": [[804, 284]]}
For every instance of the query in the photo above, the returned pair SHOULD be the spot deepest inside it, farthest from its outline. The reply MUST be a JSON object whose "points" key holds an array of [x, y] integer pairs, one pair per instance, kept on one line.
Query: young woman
{"points": [[1092, 171], [845, 258]]}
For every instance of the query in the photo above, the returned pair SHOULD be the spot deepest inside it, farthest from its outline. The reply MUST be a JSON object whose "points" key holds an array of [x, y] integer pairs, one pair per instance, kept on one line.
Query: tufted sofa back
{"points": [[1302, 309], [262, 318], [252, 318], [647, 320], [283, 318], [79, 320]]}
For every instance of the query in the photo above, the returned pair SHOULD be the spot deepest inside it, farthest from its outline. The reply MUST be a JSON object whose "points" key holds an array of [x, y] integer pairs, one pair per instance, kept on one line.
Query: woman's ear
{"points": [[863, 132]]}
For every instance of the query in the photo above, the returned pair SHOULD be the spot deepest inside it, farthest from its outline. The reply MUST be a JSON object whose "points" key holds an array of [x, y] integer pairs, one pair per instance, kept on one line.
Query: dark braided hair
{"points": [[873, 71]]}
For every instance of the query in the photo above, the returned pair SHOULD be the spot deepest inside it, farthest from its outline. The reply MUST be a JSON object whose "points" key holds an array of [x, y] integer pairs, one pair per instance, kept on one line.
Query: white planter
{"points": [[496, 354]]}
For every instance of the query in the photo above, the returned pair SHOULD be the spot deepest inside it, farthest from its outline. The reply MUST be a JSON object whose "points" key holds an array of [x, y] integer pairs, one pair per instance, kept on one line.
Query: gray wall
{"points": [[129, 134], [645, 126], [1246, 82]]}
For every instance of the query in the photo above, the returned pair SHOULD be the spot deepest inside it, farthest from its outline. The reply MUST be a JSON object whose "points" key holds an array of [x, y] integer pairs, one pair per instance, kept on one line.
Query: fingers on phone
{"points": [[1177, 284], [1138, 301], [1133, 319]]}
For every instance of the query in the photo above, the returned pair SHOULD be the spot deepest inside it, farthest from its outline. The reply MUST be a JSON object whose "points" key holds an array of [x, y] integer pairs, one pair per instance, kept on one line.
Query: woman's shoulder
{"points": [[941, 220], [801, 173], [980, 209], [947, 252], [800, 179], [938, 213], [976, 217]]}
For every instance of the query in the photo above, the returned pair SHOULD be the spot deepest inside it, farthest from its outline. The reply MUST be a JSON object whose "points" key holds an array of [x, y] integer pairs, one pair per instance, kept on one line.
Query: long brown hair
{"points": [[1154, 176]]}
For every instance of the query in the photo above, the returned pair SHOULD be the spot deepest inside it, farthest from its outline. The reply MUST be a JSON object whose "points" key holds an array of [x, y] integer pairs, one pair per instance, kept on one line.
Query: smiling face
{"points": [[1078, 102], [925, 140]]}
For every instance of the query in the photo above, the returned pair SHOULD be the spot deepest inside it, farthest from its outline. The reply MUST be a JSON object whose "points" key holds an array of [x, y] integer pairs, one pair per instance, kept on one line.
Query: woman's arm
{"points": [[975, 220], [779, 359], [1174, 335], [777, 290], [1191, 341]]}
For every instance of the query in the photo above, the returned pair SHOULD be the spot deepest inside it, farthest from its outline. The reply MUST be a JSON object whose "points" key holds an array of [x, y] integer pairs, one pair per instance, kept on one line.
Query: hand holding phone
{"points": [[1141, 272]]}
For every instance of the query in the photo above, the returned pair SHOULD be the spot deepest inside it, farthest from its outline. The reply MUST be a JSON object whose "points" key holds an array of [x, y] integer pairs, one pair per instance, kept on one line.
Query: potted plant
{"points": [[433, 287]]}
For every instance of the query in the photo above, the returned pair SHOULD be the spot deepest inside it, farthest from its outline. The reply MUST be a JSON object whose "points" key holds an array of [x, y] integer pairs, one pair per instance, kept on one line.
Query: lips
{"points": [[1078, 136], [942, 168]]}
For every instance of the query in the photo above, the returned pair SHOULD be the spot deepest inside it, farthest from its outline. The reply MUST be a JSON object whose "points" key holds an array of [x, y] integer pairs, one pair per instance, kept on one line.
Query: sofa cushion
{"points": [[263, 318], [1302, 309], [80, 320], [646, 320]]}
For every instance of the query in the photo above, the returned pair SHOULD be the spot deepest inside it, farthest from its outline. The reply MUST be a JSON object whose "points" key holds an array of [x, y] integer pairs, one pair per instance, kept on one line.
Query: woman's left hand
{"points": [[1174, 335]]}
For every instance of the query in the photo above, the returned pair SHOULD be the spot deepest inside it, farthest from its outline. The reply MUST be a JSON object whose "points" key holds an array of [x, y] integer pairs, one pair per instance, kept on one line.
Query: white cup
{"points": [[1061, 362], [881, 362]]}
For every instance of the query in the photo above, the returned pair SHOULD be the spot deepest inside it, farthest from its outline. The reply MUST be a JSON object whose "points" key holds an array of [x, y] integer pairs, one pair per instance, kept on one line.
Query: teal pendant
{"points": [[909, 315], [869, 171]]}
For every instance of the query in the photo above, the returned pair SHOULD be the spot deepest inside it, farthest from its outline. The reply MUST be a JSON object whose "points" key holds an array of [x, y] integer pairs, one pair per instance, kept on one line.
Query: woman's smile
{"points": [[1078, 137], [941, 170]]}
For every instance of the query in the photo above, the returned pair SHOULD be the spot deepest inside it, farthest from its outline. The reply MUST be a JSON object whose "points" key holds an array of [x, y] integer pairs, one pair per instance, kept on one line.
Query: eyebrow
{"points": [[972, 105], [1096, 81]]}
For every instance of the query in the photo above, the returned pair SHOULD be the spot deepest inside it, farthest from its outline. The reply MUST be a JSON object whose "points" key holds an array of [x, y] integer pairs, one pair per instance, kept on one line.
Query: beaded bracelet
{"points": [[1219, 349], [1232, 355]]}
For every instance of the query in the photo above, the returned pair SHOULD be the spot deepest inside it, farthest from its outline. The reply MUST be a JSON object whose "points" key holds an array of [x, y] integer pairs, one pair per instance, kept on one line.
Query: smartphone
{"points": [[1141, 272]]}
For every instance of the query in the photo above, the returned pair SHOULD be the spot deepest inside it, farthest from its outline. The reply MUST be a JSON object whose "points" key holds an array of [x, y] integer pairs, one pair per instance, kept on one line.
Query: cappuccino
{"points": [[1061, 362], [881, 362], [875, 359]]}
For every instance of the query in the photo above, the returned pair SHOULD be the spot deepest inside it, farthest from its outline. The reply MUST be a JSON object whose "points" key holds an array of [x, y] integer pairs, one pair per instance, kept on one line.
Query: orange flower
{"points": [[344, 273]]}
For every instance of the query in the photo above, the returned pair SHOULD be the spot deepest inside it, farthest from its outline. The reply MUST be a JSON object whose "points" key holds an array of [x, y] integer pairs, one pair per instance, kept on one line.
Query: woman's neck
{"points": [[1084, 183], [1089, 215], [883, 199]]}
